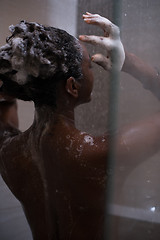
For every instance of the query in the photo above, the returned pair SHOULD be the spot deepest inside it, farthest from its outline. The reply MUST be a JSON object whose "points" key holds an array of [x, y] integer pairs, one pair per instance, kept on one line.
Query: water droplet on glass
{"points": [[152, 209]]}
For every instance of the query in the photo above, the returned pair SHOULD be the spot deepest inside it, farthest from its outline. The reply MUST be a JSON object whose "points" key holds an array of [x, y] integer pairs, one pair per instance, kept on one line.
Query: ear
{"points": [[72, 87]]}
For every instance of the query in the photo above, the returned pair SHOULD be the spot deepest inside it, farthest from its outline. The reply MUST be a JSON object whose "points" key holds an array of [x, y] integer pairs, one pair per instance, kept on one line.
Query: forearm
{"points": [[8, 113], [139, 141], [8, 120], [143, 72]]}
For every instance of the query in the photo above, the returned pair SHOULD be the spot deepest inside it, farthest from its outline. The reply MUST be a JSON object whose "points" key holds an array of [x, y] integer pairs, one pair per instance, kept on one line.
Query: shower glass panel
{"points": [[132, 189]]}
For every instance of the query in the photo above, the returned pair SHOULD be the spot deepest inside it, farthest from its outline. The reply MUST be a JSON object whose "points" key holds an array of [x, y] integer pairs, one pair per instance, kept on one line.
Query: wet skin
{"points": [[57, 172]]}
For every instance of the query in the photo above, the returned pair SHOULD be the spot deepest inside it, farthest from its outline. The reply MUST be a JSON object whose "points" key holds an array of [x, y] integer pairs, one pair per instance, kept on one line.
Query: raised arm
{"points": [[110, 42], [141, 140], [123, 60], [8, 112], [146, 74], [8, 117], [8, 109]]}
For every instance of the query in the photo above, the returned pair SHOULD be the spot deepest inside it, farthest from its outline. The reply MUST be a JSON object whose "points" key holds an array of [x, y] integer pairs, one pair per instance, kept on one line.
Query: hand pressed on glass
{"points": [[110, 42]]}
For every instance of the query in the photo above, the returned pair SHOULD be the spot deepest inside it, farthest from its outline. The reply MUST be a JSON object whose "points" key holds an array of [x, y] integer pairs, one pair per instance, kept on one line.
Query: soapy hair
{"points": [[35, 58]]}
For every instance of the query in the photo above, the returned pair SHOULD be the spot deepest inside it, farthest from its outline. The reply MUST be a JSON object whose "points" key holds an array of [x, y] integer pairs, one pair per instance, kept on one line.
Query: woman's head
{"points": [[35, 59]]}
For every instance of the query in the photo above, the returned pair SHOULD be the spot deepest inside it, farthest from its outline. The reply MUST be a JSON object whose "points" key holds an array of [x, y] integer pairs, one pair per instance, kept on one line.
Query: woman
{"points": [[57, 172]]}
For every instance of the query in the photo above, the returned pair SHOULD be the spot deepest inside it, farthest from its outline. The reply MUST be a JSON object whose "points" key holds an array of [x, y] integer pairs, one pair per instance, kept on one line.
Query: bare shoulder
{"points": [[74, 145], [92, 148], [89, 155], [81, 145]]}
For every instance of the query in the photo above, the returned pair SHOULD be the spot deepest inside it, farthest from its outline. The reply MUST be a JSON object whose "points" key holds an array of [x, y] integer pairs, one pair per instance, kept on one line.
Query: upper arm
{"points": [[139, 141], [8, 130], [132, 145], [143, 72], [8, 112], [8, 119]]}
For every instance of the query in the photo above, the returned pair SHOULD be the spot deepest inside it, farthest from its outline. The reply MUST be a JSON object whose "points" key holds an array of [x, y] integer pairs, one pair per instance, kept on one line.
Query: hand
{"points": [[111, 42]]}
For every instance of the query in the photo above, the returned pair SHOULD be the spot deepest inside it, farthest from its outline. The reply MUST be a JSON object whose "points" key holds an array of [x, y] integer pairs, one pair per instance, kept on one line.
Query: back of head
{"points": [[35, 59]]}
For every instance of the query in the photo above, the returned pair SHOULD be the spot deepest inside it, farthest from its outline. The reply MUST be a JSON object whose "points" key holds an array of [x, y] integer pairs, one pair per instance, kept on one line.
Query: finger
{"points": [[103, 61], [108, 27], [93, 19], [97, 19], [106, 43], [88, 13]]}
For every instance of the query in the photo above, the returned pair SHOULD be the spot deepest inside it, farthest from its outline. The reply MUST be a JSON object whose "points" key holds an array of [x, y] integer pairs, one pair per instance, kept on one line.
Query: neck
{"points": [[45, 114]]}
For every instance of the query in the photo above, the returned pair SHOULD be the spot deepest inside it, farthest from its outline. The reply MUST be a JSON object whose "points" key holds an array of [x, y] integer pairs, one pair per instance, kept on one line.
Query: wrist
{"points": [[128, 62]]}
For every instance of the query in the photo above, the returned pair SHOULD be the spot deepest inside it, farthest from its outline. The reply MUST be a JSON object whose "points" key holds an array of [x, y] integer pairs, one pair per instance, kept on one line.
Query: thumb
{"points": [[103, 61]]}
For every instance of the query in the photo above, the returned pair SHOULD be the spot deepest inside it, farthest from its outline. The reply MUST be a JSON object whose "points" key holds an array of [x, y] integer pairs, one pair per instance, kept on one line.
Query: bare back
{"points": [[52, 169]]}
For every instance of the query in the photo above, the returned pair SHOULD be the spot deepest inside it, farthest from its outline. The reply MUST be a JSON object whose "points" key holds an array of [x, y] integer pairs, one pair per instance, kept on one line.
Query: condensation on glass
{"points": [[134, 206]]}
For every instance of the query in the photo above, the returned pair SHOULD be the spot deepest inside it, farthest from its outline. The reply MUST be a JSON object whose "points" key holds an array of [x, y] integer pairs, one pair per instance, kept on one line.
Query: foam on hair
{"points": [[36, 56]]}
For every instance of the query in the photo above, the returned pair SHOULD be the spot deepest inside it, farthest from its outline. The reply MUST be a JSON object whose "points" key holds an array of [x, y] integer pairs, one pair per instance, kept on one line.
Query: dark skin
{"points": [[57, 172]]}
